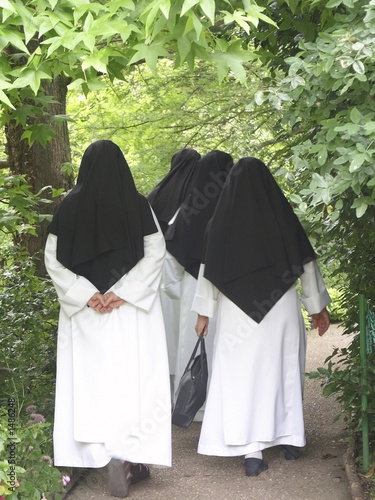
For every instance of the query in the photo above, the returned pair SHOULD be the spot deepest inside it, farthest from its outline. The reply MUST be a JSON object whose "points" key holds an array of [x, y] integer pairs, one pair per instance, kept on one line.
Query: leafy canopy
{"points": [[80, 39]]}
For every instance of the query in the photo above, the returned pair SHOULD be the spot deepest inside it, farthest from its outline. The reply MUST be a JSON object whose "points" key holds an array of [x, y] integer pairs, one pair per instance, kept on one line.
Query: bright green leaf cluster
{"points": [[330, 93], [82, 40]]}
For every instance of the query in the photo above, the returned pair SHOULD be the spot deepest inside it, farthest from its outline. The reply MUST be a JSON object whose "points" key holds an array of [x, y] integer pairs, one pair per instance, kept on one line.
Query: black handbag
{"points": [[192, 389]]}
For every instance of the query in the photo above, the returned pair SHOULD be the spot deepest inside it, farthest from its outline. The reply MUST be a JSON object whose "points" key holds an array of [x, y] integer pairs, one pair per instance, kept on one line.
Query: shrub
{"points": [[29, 317], [26, 472]]}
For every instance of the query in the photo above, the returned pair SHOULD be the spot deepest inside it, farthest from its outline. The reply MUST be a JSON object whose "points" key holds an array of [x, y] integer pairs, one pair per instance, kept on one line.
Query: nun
{"points": [[184, 239], [172, 190], [256, 251], [165, 199], [104, 254]]}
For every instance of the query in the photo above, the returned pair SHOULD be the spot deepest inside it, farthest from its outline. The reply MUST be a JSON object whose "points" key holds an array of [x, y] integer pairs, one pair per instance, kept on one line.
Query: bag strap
{"points": [[200, 342]]}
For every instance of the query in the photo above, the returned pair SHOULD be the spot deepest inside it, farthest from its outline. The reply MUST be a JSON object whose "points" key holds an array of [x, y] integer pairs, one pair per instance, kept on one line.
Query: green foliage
{"points": [[28, 325], [329, 91], [26, 470], [336, 308], [29, 317], [20, 209], [151, 117], [41, 40], [342, 378]]}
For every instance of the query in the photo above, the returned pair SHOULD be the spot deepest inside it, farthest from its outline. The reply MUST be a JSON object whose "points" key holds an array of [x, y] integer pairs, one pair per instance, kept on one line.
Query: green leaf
{"points": [[40, 132], [5, 4], [361, 210], [187, 5], [259, 97], [322, 156], [97, 61], [150, 53], [165, 7], [95, 84], [234, 59], [4, 98], [369, 127], [198, 26], [208, 7], [359, 67], [184, 46], [329, 389], [31, 78], [331, 134], [333, 3], [293, 4], [14, 38], [355, 115], [357, 161]]}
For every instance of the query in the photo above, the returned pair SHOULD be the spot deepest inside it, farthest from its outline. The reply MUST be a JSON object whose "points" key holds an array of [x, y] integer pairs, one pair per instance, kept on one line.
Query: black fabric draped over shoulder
{"points": [[185, 234], [101, 223], [255, 246], [171, 191]]}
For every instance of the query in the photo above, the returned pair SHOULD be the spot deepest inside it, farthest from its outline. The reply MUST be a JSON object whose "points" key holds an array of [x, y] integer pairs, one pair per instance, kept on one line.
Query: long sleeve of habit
{"points": [[140, 285], [73, 291], [206, 295], [315, 296]]}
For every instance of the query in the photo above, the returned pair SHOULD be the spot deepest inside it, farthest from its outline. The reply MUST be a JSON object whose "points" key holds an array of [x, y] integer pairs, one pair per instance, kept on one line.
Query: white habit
{"points": [[178, 288], [255, 395], [112, 385]]}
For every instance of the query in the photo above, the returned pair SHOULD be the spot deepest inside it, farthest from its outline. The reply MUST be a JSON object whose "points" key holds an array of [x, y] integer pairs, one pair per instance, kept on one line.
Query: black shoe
{"points": [[139, 472], [290, 452], [254, 466]]}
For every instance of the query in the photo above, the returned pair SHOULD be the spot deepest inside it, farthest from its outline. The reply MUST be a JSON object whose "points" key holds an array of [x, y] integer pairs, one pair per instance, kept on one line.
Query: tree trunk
{"points": [[40, 165]]}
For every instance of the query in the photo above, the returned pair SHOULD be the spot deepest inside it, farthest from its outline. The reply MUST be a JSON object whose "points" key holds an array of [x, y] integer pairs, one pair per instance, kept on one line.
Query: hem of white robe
{"points": [[235, 451], [98, 465], [81, 465]]}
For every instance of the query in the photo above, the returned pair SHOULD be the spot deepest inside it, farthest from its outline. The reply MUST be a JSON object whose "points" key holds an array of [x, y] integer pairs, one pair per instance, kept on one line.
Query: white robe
{"points": [[178, 287], [112, 383], [255, 395], [170, 295]]}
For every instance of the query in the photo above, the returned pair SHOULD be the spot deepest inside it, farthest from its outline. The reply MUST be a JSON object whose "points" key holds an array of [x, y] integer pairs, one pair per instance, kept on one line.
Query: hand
{"points": [[321, 321], [112, 301], [202, 325], [105, 303], [96, 302]]}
